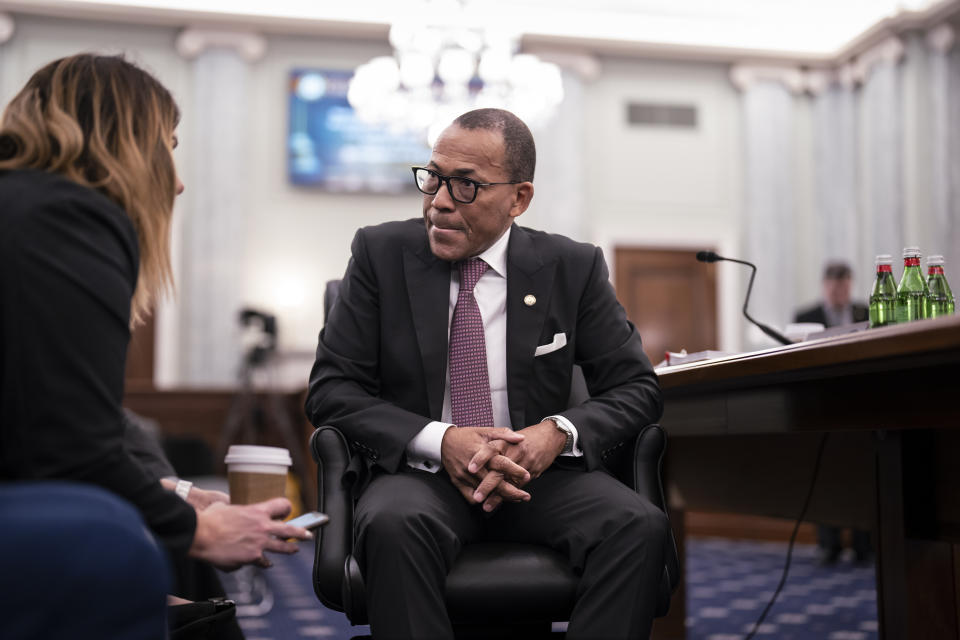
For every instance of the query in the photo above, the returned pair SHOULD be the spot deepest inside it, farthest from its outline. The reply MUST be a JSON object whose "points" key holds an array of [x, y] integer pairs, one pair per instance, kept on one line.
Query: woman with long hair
{"points": [[87, 185]]}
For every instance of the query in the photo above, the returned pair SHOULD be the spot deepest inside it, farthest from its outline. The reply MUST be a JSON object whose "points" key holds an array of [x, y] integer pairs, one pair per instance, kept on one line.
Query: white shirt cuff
{"points": [[423, 451], [577, 452]]}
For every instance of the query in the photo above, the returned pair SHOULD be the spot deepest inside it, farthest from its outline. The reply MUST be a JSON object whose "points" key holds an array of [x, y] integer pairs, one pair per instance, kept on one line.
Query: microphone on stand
{"points": [[710, 256]]}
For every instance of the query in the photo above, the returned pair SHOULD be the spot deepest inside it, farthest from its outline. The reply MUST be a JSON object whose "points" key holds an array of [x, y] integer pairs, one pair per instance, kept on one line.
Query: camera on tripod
{"points": [[259, 336]]}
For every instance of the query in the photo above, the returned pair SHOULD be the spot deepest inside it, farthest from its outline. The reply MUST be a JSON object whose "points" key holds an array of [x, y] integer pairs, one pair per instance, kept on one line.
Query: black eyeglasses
{"points": [[462, 190]]}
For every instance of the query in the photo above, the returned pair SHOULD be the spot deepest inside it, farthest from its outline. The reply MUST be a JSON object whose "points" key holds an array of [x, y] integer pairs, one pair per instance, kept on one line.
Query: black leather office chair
{"points": [[528, 586]]}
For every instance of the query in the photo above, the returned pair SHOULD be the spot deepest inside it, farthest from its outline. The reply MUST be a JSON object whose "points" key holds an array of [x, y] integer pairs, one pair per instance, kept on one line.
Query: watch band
{"points": [[568, 443], [183, 488]]}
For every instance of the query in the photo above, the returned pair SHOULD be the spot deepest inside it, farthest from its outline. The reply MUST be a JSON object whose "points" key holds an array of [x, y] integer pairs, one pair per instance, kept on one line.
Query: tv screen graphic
{"points": [[329, 147]]}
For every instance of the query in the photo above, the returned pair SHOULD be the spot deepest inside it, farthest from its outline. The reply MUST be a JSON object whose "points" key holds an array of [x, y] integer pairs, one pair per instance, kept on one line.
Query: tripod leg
{"points": [[238, 423], [278, 417]]}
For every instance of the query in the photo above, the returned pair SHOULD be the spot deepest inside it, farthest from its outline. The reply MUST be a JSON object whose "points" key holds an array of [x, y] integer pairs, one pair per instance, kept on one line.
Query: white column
{"points": [[769, 192], [559, 203], [7, 28], [835, 182], [214, 231], [953, 253], [944, 87], [881, 150]]}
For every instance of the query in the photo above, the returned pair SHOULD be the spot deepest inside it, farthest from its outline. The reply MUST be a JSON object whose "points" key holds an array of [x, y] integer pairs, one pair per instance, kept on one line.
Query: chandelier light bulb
{"points": [[468, 39], [456, 66], [428, 40], [384, 71], [402, 35], [427, 83], [494, 66], [416, 70], [523, 70]]}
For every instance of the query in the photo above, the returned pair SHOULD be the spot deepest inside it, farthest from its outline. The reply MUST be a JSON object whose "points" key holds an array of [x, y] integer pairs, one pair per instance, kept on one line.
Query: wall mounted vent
{"points": [[649, 114]]}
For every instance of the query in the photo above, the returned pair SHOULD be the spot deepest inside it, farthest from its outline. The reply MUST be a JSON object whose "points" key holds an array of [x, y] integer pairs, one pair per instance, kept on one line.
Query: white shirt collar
{"points": [[496, 254]]}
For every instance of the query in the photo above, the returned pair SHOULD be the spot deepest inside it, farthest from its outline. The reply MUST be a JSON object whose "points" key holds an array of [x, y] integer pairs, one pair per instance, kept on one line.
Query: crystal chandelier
{"points": [[441, 69]]}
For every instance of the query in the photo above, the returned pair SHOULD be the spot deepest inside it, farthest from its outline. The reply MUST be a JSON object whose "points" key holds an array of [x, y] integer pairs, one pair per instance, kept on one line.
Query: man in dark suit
{"points": [[447, 362], [835, 310]]}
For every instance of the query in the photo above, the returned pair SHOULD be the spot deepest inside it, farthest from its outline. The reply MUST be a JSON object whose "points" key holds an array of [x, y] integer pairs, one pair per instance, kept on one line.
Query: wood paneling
{"points": [[744, 432], [670, 297], [742, 527]]}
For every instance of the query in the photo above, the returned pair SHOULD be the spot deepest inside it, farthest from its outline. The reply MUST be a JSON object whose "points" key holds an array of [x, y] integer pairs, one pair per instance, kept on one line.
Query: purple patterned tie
{"points": [[469, 383]]}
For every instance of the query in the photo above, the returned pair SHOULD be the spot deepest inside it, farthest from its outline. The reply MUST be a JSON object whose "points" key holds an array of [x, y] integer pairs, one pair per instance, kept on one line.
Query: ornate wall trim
{"points": [[248, 45]]}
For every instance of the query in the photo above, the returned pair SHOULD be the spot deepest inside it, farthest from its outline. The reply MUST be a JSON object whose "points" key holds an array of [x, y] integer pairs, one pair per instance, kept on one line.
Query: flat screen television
{"points": [[329, 147]]}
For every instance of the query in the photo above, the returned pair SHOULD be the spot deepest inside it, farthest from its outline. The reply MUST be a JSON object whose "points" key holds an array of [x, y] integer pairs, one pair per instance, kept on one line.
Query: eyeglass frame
{"points": [[442, 178]]}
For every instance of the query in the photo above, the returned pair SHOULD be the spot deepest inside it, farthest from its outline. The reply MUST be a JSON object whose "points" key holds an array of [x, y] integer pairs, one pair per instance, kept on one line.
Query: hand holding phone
{"points": [[310, 520]]}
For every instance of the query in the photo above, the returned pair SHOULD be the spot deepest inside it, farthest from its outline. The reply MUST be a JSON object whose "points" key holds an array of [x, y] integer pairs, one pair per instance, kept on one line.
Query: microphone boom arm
{"points": [[776, 335], [710, 256]]}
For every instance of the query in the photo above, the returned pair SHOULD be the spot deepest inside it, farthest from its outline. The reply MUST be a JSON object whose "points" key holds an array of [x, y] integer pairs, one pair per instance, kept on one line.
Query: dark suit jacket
{"points": [[817, 314], [382, 356], [68, 269]]}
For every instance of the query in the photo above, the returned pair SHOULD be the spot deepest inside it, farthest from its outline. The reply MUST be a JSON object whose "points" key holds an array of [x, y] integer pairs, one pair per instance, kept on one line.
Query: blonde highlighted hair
{"points": [[106, 124]]}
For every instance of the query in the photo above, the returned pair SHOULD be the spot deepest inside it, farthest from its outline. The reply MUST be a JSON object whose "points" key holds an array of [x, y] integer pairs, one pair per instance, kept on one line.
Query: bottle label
{"points": [[884, 268], [935, 270], [911, 262]]}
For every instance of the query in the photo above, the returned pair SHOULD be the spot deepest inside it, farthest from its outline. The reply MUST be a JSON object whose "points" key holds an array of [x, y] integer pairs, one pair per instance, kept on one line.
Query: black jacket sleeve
{"points": [[68, 268]]}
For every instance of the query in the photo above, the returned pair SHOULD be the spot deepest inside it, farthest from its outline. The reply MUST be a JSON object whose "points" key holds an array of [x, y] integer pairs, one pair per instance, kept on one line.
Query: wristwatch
{"points": [[568, 444], [183, 488]]}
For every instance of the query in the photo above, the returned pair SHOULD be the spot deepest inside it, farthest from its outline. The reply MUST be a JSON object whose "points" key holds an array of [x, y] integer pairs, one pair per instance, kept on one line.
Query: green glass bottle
{"points": [[912, 290], [883, 298], [939, 298]]}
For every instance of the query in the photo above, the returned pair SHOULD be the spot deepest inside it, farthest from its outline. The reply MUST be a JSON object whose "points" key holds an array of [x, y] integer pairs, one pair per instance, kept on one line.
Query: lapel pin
{"points": [[529, 300]]}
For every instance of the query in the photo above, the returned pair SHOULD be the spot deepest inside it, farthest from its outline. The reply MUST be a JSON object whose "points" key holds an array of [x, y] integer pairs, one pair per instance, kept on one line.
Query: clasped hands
{"points": [[490, 464]]}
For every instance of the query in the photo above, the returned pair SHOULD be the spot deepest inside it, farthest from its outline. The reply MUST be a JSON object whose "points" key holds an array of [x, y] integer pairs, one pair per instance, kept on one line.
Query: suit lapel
{"points": [[428, 285], [527, 276]]}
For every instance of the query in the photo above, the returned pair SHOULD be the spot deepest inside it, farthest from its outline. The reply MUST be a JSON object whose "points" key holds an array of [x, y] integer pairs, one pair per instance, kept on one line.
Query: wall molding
{"points": [[815, 81], [194, 41], [584, 65], [942, 38], [904, 21], [890, 51], [744, 76]]}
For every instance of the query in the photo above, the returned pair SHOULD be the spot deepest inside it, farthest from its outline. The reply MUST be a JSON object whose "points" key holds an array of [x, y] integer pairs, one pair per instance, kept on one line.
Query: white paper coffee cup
{"points": [[256, 473]]}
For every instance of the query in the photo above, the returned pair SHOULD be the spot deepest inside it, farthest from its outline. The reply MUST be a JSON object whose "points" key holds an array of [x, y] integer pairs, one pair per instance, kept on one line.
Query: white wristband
{"points": [[183, 488]]}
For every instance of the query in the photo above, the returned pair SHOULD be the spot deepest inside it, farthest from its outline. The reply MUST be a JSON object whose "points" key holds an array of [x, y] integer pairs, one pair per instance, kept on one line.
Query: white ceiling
{"points": [[803, 27]]}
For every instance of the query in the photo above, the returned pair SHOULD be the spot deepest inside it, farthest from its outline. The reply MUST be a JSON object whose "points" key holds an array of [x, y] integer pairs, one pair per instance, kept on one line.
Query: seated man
{"points": [[447, 362]]}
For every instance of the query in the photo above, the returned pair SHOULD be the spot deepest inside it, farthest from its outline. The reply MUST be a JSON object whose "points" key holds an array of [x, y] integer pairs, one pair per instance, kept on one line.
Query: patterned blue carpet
{"points": [[728, 585], [730, 582]]}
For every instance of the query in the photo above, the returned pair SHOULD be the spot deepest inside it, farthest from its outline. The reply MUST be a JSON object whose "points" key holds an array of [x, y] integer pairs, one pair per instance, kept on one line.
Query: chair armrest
{"points": [[334, 541], [649, 450]]}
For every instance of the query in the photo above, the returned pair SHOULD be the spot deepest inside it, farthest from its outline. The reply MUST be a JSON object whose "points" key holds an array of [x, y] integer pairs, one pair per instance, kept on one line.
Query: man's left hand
{"points": [[200, 499], [541, 445]]}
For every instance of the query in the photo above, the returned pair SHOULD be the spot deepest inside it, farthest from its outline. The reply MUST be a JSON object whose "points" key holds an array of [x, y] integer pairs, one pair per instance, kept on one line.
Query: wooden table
{"points": [[745, 432]]}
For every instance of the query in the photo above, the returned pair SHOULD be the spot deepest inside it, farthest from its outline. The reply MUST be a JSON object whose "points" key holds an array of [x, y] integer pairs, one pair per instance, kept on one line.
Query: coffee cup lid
{"points": [[253, 454]]}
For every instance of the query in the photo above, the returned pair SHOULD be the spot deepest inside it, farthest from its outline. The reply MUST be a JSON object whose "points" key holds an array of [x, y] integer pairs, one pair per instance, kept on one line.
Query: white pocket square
{"points": [[559, 342]]}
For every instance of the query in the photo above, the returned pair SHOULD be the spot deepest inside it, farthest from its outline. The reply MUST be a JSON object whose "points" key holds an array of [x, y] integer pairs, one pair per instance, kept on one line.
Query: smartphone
{"points": [[310, 520]]}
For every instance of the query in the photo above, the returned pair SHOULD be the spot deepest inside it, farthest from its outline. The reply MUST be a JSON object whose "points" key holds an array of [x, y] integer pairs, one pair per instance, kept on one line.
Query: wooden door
{"points": [[670, 296]]}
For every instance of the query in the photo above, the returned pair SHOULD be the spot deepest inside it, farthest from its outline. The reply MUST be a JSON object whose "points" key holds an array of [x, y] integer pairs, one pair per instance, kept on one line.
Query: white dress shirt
{"points": [[423, 451], [838, 316]]}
